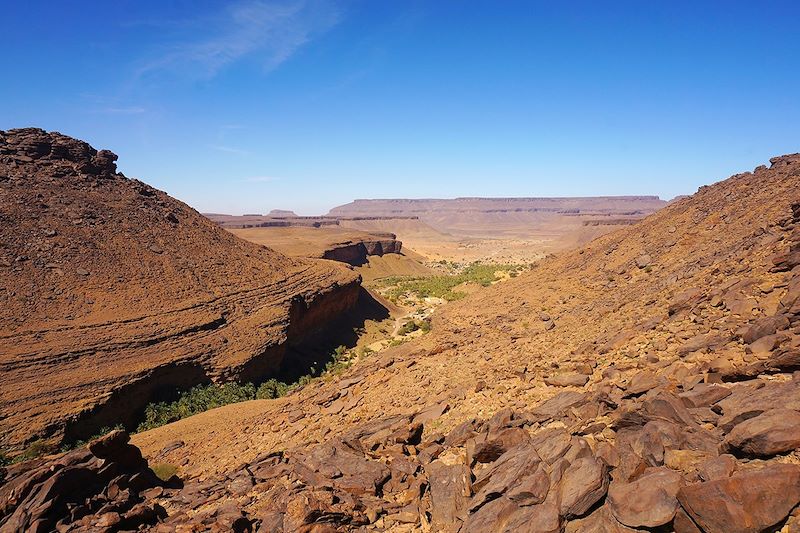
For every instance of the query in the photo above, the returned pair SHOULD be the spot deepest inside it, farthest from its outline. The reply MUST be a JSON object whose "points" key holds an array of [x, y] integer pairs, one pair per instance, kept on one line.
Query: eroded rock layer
{"points": [[111, 290], [647, 382]]}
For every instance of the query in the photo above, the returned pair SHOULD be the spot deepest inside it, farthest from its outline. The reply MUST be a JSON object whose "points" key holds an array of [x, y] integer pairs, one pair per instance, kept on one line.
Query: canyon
{"points": [[113, 292], [647, 380]]}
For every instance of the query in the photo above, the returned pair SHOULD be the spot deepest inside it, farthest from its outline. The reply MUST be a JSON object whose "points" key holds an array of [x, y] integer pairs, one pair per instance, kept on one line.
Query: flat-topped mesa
{"points": [[647, 381], [420, 206], [112, 291]]}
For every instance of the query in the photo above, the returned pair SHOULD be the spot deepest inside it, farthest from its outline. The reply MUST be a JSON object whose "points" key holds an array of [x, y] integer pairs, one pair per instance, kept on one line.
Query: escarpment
{"points": [[646, 382], [112, 290], [357, 253]]}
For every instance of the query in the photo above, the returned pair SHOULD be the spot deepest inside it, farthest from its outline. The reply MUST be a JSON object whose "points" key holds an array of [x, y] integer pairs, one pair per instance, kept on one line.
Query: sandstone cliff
{"points": [[644, 382], [112, 290]]}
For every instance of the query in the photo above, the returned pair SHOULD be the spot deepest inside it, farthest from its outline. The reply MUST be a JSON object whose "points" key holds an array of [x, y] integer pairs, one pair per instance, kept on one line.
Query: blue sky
{"points": [[305, 104]]}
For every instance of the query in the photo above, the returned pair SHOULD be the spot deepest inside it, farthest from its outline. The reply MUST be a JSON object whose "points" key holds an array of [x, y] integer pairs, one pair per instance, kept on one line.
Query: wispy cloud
{"points": [[271, 32], [228, 149]]}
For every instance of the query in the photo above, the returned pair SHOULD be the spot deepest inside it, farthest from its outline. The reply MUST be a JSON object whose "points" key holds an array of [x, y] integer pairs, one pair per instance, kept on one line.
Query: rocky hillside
{"points": [[111, 290], [646, 382]]}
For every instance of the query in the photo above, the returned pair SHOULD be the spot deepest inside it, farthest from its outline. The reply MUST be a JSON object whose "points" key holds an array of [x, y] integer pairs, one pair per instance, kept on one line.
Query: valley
{"points": [[330, 378], [330, 266]]}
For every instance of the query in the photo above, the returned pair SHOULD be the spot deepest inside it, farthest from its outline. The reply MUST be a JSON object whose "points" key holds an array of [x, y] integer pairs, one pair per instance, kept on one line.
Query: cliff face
{"points": [[356, 253], [647, 381], [326, 242], [555, 223], [112, 290], [424, 206]]}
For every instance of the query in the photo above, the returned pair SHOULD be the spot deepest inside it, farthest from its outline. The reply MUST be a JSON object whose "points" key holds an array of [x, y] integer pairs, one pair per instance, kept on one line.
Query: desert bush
{"points": [[105, 430], [164, 471], [408, 327], [4, 459], [204, 397], [196, 400], [415, 325], [35, 449], [271, 389], [442, 286]]}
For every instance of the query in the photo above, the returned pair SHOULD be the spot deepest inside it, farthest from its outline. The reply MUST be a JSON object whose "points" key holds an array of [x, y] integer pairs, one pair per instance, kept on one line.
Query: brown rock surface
{"points": [[676, 324], [650, 501], [111, 289], [747, 502], [517, 454], [770, 433], [86, 489]]}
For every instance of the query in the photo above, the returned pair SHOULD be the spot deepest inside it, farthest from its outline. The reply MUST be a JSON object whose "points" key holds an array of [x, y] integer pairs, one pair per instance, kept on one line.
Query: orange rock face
{"points": [[111, 289], [601, 391]]}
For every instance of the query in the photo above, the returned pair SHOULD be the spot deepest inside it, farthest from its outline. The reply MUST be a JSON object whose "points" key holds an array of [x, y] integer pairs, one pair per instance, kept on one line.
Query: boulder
{"points": [[763, 327], [641, 383], [510, 470], [450, 487], [747, 502], [558, 404], [770, 433], [583, 484], [109, 478], [704, 395], [649, 501]]}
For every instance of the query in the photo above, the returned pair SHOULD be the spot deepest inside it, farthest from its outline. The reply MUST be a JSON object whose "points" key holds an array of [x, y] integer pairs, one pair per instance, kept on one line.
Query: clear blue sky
{"points": [[249, 106]]}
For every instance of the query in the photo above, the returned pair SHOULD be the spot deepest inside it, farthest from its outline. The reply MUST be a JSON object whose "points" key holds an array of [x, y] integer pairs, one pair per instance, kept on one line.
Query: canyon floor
{"points": [[644, 381]]}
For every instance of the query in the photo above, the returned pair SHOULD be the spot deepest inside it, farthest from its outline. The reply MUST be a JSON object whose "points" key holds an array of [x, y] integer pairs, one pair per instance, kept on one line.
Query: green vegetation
{"points": [[443, 286], [271, 389], [164, 471], [35, 449], [414, 325], [193, 401], [408, 327], [105, 430], [339, 362], [196, 400], [205, 397]]}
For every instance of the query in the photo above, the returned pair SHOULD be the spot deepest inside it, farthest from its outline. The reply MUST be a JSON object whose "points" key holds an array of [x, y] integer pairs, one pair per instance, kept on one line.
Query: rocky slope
{"points": [[645, 382], [111, 290]]}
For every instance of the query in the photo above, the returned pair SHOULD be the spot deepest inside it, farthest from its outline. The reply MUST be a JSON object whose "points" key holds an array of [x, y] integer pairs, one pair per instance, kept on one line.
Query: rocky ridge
{"points": [[645, 382], [112, 290]]}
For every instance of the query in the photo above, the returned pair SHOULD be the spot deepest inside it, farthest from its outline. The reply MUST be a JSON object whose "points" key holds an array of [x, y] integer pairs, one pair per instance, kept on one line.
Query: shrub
{"points": [[35, 449], [164, 471], [425, 325], [204, 397], [196, 400], [408, 327], [442, 286], [4, 459], [339, 361], [271, 389], [105, 430]]}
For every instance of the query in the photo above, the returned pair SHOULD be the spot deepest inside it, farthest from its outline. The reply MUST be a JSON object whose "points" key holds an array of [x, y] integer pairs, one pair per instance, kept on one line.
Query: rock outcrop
{"points": [[357, 253], [601, 391], [112, 290], [327, 242], [106, 486]]}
